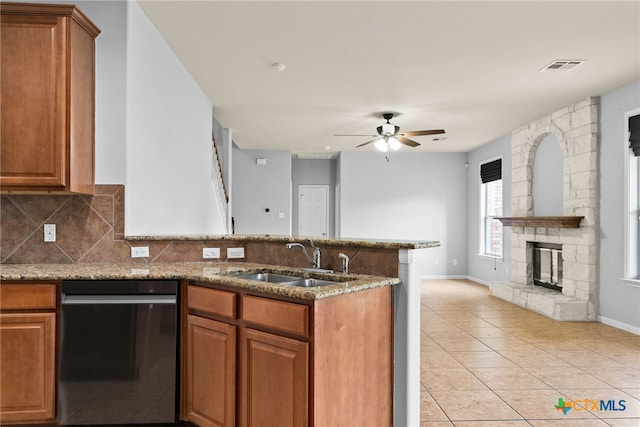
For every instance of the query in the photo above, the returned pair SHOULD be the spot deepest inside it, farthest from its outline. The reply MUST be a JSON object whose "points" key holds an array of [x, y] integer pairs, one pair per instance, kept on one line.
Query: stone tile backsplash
{"points": [[90, 229]]}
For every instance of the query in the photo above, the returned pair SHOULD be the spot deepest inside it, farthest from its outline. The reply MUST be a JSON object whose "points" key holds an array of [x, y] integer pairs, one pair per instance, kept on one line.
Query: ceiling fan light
{"points": [[388, 129], [382, 145], [394, 144]]}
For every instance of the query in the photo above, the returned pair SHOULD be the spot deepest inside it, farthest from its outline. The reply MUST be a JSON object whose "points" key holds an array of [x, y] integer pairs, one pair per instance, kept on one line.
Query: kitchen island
{"points": [[387, 260], [321, 355]]}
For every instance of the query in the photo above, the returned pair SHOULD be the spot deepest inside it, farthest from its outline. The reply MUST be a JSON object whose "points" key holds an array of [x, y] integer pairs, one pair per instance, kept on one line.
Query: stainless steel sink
{"points": [[311, 283], [283, 279], [268, 277]]}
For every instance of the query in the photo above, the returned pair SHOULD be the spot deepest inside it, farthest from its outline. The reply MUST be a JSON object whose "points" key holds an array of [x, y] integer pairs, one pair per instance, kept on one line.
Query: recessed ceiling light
{"points": [[278, 66], [561, 65]]}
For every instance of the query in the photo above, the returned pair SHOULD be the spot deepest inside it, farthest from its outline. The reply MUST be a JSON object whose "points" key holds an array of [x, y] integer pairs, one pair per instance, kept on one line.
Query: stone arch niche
{"points": [[575, 129], [548, 181]]}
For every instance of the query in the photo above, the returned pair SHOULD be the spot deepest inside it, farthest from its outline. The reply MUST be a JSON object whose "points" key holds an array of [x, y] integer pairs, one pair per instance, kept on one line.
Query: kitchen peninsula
{"points": [[391, 268]]}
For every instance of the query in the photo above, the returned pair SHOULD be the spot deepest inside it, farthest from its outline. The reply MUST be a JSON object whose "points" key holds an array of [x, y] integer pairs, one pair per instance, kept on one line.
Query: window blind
{"points": [[634, 134], [491, 171]]}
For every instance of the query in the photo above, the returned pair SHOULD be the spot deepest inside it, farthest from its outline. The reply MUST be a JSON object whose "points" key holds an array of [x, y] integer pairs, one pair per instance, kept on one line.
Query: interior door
{"points": [[313, 210]]}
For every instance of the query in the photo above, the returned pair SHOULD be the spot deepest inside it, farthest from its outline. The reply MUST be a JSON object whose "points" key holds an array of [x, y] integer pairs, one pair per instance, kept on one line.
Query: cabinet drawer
{"points": [[213, 301], [284, 316], [28, 296]]}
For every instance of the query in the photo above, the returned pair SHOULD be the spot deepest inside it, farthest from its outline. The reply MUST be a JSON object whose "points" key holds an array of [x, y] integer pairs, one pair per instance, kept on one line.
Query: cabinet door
{"points": [[27, 358], [274, 380], [211, 372], [33, 101]]}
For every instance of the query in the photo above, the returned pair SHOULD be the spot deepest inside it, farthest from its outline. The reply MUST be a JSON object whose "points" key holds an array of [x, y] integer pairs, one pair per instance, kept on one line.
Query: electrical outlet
{"points": [[208, 253], [455, 262], [140, 252], [437, 261], [49, 232], [235, 253]]}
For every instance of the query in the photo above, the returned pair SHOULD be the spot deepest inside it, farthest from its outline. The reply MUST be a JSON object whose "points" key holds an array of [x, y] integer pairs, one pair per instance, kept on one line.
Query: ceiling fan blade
{"points": [[422, 132], [368, 142], [341, 134], [407, 141]]}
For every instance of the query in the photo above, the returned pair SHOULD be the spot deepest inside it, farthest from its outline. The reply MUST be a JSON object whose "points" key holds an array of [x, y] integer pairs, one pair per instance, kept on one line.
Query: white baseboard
{"points": [[619, 325], [454, 277], [442, 277], [479, 281]]}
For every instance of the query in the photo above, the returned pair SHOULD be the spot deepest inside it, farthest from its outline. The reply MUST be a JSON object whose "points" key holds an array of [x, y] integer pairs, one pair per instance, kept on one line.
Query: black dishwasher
{"points": [[118, 352]]}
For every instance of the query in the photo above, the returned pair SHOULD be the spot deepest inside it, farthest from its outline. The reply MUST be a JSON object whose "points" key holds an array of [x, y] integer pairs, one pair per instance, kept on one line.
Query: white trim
{"points": [[619, 325], [627, 193], [443, 277], [493, 257], [479, 280], [455, 277], [481, 192], [633, 283]]}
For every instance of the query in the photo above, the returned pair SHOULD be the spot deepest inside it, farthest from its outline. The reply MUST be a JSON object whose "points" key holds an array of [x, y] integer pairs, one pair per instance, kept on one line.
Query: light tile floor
{"points": [[485, 362]]}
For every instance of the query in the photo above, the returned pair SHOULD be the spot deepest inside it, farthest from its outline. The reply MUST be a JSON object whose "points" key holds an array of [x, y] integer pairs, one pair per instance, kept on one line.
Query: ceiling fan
{"points": [[389, 136]]}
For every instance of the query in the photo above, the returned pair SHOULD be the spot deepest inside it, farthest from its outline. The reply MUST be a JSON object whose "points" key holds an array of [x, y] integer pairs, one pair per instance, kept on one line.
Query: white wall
{"points": [[257, 188], [153, 125], [480, 268], [169, 125], [415, 196], [619, 302]]}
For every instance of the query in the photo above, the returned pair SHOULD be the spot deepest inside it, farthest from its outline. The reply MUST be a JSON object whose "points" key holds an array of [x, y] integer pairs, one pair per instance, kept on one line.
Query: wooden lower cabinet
{"points": [[211, 372], [27, 361], [274, 380], [327, 362]]}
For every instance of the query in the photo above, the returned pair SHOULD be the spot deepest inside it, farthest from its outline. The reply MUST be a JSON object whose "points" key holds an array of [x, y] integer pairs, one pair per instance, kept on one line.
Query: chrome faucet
{"points": [[316, 252], [345, 262]]}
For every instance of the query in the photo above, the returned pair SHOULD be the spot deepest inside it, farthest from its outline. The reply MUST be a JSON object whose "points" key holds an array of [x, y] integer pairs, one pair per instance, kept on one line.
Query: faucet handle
{"points": [[345, 262]]}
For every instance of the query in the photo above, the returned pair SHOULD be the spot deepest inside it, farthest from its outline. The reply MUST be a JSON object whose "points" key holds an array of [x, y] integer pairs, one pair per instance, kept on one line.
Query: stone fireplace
{"points": [[576, 130]]}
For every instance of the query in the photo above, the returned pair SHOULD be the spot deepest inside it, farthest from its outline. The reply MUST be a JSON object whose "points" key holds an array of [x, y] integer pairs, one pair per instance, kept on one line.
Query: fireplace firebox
{"points": [[546, 260]]}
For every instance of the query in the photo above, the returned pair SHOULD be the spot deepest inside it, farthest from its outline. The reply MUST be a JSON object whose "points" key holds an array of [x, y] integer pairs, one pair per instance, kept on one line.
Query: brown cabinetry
{"points": [[27, 353], [274, 380], [326, 362], [210, 385], [46, 99], [211, 372]]}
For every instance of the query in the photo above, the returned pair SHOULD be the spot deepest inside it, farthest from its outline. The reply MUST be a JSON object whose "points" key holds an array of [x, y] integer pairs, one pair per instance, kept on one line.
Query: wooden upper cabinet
{"points": [[47, 98]]}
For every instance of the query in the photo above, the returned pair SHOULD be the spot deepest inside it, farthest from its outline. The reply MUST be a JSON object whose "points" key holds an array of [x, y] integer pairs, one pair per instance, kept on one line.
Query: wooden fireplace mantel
{"points": [[541, 221]]}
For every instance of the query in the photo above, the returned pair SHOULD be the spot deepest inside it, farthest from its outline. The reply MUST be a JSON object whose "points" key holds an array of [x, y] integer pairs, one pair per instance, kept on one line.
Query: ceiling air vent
{"points": [[562, 65]]}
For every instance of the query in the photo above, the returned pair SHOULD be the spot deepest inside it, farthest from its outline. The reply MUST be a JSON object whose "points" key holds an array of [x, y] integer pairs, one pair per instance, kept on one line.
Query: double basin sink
{"points": [[282, 279]]}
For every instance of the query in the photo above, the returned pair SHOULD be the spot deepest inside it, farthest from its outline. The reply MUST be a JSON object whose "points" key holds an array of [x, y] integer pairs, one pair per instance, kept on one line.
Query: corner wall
{"points": [[619, 301]]}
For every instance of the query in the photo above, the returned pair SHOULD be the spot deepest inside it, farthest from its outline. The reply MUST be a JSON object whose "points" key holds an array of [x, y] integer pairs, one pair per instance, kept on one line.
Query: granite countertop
{"points": [[215, 273], [367, 243]]}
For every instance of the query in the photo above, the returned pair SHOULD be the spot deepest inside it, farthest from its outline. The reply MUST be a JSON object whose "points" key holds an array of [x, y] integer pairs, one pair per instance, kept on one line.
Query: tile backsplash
{"points": [[85, 227], [90, 229]]}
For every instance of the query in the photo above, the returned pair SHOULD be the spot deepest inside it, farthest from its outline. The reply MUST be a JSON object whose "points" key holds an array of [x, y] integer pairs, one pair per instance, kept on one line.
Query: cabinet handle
{"points": [[118, 299]]}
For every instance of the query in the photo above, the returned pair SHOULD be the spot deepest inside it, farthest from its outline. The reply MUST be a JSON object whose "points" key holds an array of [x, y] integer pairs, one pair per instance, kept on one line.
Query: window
{"points": [[632, 211], [490, 208]]}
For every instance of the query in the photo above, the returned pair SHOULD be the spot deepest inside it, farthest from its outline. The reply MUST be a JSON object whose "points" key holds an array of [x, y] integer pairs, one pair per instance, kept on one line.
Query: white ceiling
{"points": [[468, 67]]}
